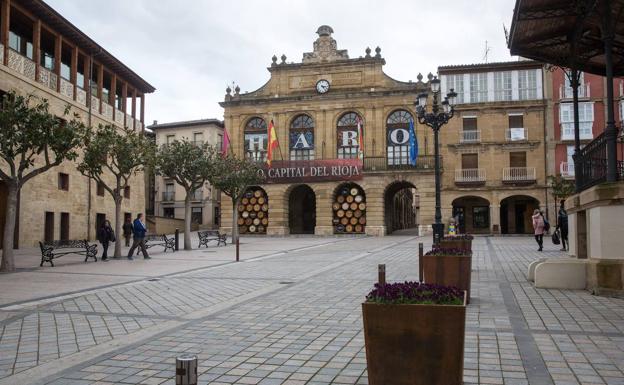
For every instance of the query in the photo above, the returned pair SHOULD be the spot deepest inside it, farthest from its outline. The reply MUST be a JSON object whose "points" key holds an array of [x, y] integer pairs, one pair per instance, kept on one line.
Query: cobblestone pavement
{"points": [[295, 318]]}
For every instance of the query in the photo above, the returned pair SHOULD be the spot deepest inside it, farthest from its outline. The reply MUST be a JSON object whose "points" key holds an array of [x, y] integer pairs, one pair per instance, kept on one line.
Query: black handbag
{"points": [[555, 237]]}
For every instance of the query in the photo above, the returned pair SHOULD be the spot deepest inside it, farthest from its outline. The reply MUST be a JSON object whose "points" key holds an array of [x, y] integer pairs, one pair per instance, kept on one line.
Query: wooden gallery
{"points": [[343, 163]]}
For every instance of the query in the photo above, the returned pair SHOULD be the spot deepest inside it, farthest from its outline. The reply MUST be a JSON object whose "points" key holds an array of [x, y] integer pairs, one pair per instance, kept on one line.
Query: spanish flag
{"points": [[273, 143]]}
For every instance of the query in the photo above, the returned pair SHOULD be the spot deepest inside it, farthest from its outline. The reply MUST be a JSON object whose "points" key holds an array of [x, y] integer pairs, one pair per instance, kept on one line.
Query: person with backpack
{"points": [[562, 226], [538, 228], [139, 229], [105, 236]]}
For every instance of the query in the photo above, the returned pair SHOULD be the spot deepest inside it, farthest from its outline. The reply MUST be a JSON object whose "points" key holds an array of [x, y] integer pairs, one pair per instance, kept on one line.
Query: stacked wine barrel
{"points": [[253, 212], [349, 209]]}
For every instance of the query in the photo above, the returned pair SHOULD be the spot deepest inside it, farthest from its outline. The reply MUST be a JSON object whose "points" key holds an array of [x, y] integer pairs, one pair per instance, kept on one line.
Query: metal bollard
{"points": [[177, 239], [381, 274], [186, 370], [420, 261]]}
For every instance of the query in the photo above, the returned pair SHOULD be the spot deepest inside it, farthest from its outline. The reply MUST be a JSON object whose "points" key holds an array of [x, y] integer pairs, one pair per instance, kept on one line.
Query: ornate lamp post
{"points": [[441, 113]]}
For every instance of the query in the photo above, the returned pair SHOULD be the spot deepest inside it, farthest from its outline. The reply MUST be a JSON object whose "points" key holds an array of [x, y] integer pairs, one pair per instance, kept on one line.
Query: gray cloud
{"points": [[190, 49]]}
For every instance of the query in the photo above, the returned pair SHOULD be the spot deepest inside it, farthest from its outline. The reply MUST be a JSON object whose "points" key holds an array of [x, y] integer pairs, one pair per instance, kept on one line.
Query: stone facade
{"points": [[42, 200], [169, 196]]}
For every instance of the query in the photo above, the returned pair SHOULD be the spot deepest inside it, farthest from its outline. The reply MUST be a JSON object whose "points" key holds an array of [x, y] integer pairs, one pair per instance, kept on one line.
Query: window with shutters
{"points": [[456, 82], [470, 161], [586, 120], [398, 137], [502, 86], [516, 129], [517, 159], [478, 88], [302, 138]]}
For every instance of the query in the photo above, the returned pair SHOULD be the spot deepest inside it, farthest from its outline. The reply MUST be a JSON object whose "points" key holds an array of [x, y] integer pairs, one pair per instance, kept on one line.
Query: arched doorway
{"points": [[515, 214], [349, 209], [253, 211], [472, 214], [302, 210], [401, 205]]}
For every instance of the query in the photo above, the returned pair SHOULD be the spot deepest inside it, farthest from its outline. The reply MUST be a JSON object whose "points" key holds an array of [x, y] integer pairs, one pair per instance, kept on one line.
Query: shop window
{"points": [[302, 138], [480, 217], [350, 130], [197, 215], [256, 139]]}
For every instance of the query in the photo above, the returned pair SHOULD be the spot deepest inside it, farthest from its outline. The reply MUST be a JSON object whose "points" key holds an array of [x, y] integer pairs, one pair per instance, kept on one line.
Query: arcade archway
{"points": [[472, 214], [302, 210], [401, 206], [515, 214]]}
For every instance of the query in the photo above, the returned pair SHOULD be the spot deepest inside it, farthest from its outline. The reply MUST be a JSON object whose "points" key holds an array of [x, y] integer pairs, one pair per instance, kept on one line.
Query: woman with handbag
{"points": [[538, 228]]}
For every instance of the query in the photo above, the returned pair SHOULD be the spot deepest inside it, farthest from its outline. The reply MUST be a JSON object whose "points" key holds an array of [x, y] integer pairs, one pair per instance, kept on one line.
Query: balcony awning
{"points": [[567, 33]]}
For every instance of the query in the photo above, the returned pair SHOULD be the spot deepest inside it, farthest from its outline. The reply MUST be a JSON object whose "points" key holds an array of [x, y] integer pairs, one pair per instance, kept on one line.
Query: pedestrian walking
{"points": [[538, 228], [127, 231], [562, 225], [138, 240], [105, 236]]}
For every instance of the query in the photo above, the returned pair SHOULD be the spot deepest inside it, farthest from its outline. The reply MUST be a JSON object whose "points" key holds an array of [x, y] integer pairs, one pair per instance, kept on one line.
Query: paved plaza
{"points": [[289, 313]]}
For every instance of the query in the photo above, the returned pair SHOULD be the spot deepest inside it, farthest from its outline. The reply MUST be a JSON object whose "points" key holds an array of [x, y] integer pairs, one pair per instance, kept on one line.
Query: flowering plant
{"points": [[415, 293], [439, 251], [458, 237]]}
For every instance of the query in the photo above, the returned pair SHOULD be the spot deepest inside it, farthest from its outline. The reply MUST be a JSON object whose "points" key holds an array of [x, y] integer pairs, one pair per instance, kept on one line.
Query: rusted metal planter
{"points": [[414, 344], [462, 244], [449, 270]]}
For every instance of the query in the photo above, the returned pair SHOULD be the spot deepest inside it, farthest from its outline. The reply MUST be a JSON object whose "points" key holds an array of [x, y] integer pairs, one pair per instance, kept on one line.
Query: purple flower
{"points": [[415, 293], [439, 251], [458, 237]]}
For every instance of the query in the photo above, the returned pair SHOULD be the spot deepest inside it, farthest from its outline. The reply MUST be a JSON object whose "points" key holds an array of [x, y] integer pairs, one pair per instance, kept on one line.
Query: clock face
{"points": [[322, 86]]}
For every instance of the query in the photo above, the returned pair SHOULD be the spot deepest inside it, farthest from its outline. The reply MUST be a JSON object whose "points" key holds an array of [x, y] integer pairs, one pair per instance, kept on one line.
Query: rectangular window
{"points": [[567, 87], [517, 159], [48, 227], [478, 88], [527, 84], [586, 120], [169, 193], [100, 189], [127, 192], [469, 123], [168, 212], [516, 128], [219, 142], [480, 217], [456, 82], [63, 181], [256, 144], [198, 139], [21, 42], [470, 161], [217, 216], [64, 226], [197, 215], [502, 86]]}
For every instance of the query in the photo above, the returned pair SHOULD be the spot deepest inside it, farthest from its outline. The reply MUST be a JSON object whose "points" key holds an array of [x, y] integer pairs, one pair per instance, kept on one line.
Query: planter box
{"points": [[449, 270], [463, 244], [414, 344]]}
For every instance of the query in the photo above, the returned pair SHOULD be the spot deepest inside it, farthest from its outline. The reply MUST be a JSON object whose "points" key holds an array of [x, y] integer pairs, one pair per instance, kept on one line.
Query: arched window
{"points": [[397, 130], [256, 139], [302, 138], [350, 127]]}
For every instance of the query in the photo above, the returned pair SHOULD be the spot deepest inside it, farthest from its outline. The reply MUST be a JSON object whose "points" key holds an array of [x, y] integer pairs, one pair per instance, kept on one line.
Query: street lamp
{"points": [[441, 113]]}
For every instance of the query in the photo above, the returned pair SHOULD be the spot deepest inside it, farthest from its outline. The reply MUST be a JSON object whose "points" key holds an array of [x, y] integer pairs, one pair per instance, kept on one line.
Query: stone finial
{"points": [[378, 52], [273, 61], [430, 76], [368, 52], [324, 30], [237, 90], [419, 77], [283, 59], [228, 90]]}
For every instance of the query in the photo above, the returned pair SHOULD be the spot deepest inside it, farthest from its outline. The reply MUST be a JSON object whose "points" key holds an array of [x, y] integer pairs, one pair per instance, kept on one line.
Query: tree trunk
{"points": [[187, 221], [234, 223], [118, 235], [8, 262]]}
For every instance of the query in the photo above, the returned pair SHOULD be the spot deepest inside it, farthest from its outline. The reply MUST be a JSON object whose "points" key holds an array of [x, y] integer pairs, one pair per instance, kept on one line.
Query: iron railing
{"points": [[518, 174], [383, 163], [470, 175], [566, 169], [591, 164]]}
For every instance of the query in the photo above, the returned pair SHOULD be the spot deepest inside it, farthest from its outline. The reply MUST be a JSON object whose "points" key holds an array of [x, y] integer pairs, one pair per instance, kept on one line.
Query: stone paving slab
{"points": [[304, 325]]}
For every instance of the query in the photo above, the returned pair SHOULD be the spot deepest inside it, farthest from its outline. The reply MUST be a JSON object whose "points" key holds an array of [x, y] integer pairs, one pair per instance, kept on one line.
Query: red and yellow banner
{"points": [[273, 143]]}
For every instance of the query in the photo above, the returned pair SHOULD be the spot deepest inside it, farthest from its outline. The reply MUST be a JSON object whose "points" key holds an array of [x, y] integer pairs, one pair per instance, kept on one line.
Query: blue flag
{"points": [[413, 144]]}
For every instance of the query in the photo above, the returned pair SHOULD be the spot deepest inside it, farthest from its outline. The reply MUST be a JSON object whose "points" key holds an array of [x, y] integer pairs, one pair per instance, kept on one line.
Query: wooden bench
{"points": [[206, 236], [152, 240], [56, 249]]}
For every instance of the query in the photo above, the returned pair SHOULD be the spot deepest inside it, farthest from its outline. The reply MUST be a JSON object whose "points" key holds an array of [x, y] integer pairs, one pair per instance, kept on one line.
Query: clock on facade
{"points": [[322, 86]]}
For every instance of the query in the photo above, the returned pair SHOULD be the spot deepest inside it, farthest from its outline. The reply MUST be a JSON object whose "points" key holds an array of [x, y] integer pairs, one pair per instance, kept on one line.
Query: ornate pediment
{"points": [[325, 48]]}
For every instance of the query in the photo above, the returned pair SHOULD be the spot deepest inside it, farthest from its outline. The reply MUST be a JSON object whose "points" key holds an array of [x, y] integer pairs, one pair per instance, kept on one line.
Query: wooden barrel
{"points": [[353, 206], [353, 221], [349, 214], [358, 228], [261, 200], [344, 221], [256, 221], [258, 193], [248, 221], [241, 208], [354, 191], [358, 198], [252, 229], [249, 207], [242, 229], [340, 214], [253, 201], [349, 228], [245, 201], [357, 213], [345, 206], [265, 221], [362, 206], [265, 207], [245, 214], [241, 221], [349, 199], [340, 199], [261, 214], [252, 214], [362, 220], [336, 206], [261, 229], [256, 207], [340, 228]]}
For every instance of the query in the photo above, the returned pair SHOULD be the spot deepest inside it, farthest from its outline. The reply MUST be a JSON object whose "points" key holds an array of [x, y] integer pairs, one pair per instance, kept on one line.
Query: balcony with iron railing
{"points": [[168, 196], [516, 134], [470, 176], [519, 175], [566, 169], [566, 92], [27, 67], [470, 136], [383, 163]]}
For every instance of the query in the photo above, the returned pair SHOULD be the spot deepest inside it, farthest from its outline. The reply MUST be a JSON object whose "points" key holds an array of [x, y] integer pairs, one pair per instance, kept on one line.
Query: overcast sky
{"points": [[190, 50]]}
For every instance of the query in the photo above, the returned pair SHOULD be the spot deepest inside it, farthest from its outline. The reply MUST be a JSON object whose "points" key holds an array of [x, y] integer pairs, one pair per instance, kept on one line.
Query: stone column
{"points": [[74, 69], [58, 51], [324, 213], [278, 209], [495, 226], [375, 207]]}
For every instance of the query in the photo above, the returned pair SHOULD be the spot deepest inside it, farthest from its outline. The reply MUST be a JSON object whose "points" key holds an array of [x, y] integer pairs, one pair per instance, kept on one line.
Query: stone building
{"points": [[342, 165], [42, 53], [169, 196], [494, 147]]}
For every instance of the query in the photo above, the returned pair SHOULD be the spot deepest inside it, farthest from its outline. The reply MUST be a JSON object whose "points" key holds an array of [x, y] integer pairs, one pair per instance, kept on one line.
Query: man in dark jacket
{"points": [[105, 235], [562, 224], [139, 229], [127, 231]]}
